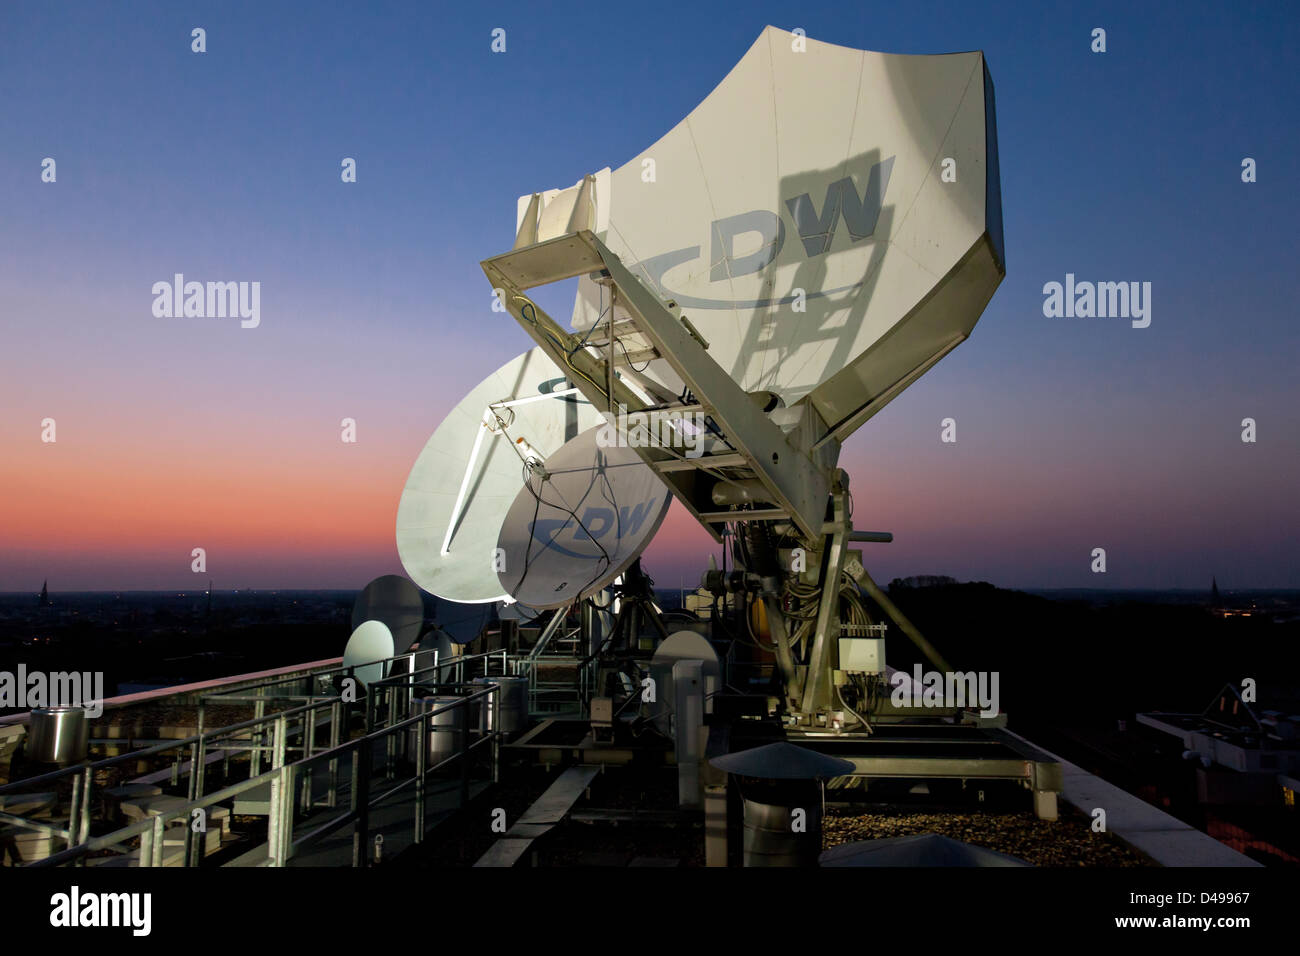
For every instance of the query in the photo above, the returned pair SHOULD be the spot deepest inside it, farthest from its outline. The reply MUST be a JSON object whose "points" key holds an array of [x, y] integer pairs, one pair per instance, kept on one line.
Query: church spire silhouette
{"points": [[1215, 600]]}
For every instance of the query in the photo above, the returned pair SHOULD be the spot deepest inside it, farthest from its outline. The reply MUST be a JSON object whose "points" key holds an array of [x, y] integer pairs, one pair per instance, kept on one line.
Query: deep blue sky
{"points": [[1073, 434]]}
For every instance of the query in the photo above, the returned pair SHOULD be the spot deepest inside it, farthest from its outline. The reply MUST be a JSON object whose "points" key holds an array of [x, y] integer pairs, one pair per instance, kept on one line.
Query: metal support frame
{"points": [[553, 626], [794, 470], [794, 481], [817, 694]]}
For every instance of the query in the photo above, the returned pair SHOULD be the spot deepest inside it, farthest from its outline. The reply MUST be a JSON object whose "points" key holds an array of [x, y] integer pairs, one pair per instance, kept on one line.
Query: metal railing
{"points": [[433, 677], [82, 776], [282, 735], [420, 727]]}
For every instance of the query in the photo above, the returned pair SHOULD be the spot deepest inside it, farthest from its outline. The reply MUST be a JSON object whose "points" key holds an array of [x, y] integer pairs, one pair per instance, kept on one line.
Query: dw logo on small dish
{"points": [[593, 525]]}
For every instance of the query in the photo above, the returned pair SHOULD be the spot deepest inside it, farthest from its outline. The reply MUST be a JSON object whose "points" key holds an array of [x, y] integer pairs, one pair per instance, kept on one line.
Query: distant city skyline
{"points": [[660, 587], [173, 433]]}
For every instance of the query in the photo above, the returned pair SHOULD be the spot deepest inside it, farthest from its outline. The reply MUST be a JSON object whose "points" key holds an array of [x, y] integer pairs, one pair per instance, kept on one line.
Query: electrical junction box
{"points": [[602, 720], [862, 655]]}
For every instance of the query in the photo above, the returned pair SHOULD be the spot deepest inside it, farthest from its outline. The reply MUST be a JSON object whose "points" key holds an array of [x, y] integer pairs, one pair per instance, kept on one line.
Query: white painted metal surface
{"points": [[681, 646], [828, 218], [370, 644], [599, 507], [471, 470]]}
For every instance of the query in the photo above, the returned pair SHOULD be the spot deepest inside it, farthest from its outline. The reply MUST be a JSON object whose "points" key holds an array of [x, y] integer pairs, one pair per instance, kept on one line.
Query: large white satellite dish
{"points": [[828, 218], [471, 471], [821, 230], [369, 646], [397, 603], [584, 517]]}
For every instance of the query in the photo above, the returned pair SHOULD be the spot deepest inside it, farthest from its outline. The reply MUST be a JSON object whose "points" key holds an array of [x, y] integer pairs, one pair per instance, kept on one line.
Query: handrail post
{"points": [[291, 772], [157, 846], [309, 744], [410, 682], [83, 834], [192, 838], [278, 741], [192, 788], [390, 740], [371, 694], [422, 734], [336, 719], [74, 812], [496, 735], [532, 688], [288, 780], [273, 823], [464, 752], [361, 802], [255, 758], [146, 847]]}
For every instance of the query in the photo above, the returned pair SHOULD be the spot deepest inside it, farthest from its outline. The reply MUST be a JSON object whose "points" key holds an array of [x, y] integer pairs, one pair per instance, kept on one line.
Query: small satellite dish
{"points": [[586, 513], [395, 601], [370, 645], [448, 650], [439, 642], [463, 623], [472, 469], [681, 646]]}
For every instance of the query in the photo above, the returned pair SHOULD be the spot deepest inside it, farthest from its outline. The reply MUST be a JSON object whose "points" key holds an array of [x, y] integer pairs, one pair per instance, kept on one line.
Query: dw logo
{"points": [[816, 231], [596, 522]]}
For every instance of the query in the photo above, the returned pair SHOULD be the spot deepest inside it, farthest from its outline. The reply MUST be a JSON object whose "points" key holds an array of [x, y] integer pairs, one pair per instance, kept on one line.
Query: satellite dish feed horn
{"points": [[494, 425]]}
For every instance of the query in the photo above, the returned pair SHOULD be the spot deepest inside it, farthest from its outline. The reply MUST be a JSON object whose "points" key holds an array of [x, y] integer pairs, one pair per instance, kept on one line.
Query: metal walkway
{"points": [[549, 809]]}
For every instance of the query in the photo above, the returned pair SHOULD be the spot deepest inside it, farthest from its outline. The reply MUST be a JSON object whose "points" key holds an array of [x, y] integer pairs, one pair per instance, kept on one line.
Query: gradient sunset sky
{"points": [[183, 433]]}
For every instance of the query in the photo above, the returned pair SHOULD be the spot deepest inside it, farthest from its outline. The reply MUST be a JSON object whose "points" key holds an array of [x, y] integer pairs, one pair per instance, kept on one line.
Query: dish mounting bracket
{"points": [[779, 481]]}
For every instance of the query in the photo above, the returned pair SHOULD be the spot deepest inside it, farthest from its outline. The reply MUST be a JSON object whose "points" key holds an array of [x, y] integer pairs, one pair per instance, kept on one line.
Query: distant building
{"points": [[1247, 765], [1221, 608]]}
